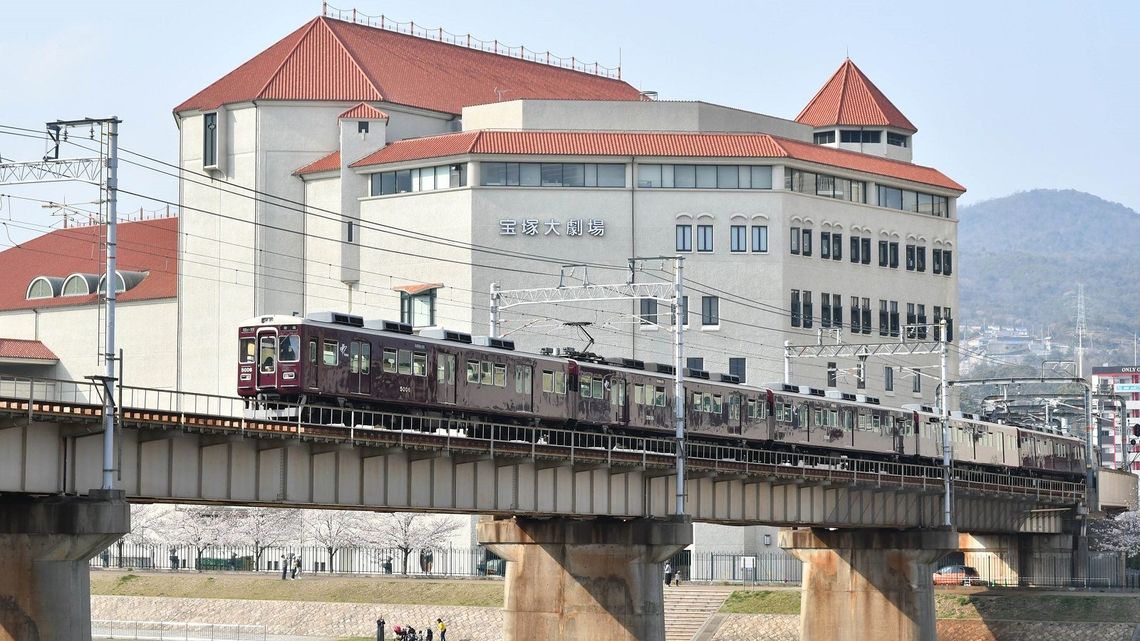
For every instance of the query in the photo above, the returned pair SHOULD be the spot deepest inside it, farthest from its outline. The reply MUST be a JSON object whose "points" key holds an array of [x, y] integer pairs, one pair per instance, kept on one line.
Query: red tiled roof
{"points": [[650, 144], [363, 111], [329, 59], [144, 246], [328, 163], [850, 98], [15, 348]]}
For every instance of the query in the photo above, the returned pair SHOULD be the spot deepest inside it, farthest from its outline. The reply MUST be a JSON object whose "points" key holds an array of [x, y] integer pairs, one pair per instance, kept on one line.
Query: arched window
{"points": [[44, 287], [79, 284]]}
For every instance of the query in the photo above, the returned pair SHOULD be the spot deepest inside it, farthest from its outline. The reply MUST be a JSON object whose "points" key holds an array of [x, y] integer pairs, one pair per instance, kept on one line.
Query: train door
{"points": [[266, 358], [617, 399], [524, 387], [312, 361], [445, 378], [735, 425], [360, 367]]}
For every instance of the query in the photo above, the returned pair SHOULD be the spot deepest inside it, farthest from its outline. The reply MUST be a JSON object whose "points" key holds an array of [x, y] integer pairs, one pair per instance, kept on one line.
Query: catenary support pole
{"points": [[787, 363], [678, 378], [493, 332], [110, 286], [944, 417]]}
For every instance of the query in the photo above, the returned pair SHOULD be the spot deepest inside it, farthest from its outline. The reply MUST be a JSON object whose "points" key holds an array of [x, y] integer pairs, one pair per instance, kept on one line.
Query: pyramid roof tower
{"points": [[850, 98], [333, 60]]}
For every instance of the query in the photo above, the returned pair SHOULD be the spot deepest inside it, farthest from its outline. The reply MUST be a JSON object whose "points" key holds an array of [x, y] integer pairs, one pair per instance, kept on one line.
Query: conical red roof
{"points": [[328, 59], [850, 98]]}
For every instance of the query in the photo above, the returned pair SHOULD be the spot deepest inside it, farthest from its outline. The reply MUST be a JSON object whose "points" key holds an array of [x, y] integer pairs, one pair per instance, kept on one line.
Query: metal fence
{"points": [[438, 561], [175, 631], [1048, 570]]}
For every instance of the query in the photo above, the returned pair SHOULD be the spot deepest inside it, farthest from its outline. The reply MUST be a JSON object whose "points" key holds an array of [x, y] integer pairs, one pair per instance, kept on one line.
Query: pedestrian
{"points": [[284, 567], [380, 629], [173, 559], [668, 573], [427, 633], [388, 565], [296, 568], [442, 629]]}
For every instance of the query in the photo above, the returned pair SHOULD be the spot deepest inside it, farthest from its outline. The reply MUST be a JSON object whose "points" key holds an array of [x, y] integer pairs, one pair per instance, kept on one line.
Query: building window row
{"points": [[807, 182], [831, 248], [710, 311], [704, 176], [831, 245], [551, 174], [906, 200], [917, 326], [739, 238], [871, 136], [861, 250], [420, 179]]}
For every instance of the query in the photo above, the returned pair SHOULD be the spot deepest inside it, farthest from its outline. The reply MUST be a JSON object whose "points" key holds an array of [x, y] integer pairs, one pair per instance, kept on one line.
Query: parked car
{"points": [[957, 575]]}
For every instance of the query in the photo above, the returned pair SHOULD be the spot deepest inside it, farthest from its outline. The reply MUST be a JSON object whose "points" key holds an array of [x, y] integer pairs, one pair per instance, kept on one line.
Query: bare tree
{"points": [[264, 527], [335, 530], [408, 531]]}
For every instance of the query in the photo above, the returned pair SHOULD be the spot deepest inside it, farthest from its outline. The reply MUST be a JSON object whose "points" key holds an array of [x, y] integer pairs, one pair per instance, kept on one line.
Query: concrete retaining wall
{"points": [[768, 627]]}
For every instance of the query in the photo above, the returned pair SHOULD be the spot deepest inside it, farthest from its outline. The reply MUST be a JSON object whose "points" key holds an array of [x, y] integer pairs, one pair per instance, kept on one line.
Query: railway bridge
{"points": [[583, 518]]}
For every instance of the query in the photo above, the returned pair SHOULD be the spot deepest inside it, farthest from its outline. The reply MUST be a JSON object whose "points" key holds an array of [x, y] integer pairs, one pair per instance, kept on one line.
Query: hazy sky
{"points": [[1007, 96]]}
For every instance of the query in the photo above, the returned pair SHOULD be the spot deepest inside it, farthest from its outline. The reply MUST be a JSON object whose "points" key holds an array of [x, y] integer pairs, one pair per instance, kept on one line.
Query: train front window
{"points": [[248, 352], [290, 349], [267, 354]]}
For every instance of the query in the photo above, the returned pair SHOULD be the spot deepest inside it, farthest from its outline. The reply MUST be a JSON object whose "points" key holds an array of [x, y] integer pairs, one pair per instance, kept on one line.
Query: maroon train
{"points": [[339, 359]]}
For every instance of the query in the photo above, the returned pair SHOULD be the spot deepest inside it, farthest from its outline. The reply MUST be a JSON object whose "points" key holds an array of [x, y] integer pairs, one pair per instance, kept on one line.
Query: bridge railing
{"points": [[365, 427]]}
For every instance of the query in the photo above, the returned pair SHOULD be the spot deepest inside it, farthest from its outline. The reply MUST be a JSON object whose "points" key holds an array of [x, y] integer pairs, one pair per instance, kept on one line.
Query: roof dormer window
{"points": [[44, 287], [872, 136], [898, 140], [80, 285], [824, 137]]}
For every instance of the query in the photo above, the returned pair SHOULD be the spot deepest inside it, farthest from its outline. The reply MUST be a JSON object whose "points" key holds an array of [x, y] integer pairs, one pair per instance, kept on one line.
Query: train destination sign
{"points": [[595, 227]]}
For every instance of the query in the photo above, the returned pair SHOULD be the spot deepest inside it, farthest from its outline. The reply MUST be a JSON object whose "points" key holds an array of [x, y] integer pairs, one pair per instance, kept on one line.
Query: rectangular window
{"points": [[404, 361], [832, 374], [911, 321], [710, 310], [419, 364], [354, 357], [866, 315], [920, 258], [949, 324], [889, 378], [684, 176], [759, 238], [917, 386], [500, 375], [825, 310], [312, 351], [890, 197], [894, 318], [856, 318], [866, 250], [836, 246], [946, 263], [738, 367], [806, 245], [910, 258], [921, 321], [825, 244], [547, 382], [807, 309], [836, 311], [706, 177], [936, 320], [727, 177], [884, 256], [936, 260], [473, 372], [210, 140], [389, 361], [795, 240], [695, 362], [329, 354], [824, 137], [648, 311], [855, 249], [739, 238], [418, 310], [796, 313], [884, 319], [898, 140], [684, 238], [894, 254], [704, 238], [486, 373]]}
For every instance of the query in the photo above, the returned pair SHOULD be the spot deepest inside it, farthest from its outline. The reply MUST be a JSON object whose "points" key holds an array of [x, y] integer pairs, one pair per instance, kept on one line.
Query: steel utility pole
{"points": [[102, 171], [671, 293], [944, 418]]}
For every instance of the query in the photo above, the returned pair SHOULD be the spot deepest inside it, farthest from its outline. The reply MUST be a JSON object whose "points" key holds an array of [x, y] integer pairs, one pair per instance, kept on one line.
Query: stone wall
{"points": [[771, 627]]}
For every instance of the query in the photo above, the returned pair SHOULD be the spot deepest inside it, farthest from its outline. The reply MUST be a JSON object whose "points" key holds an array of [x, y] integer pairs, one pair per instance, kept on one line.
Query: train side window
{"points": [[751, 408], [849, 420], [584, 385], [486, 373], [354, 357], [329, 353], [390, 361], [802, 416], [312, 351], [706, 403], [734, 407], [717, 404], [522, 379], [559, 382], [697, 402], [617, 393], [445, 369], [547, 381], [419, 364], [290, 349], [659, 396], [404, 361], [597, 387], [500, 375], [248, 352], [365, 357], [473, 372], [638, 394]]}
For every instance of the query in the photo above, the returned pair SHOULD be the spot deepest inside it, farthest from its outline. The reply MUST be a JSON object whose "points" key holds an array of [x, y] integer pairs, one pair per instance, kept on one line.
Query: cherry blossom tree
{"points": [[409, 531], [335, 530], [1119, 534]]}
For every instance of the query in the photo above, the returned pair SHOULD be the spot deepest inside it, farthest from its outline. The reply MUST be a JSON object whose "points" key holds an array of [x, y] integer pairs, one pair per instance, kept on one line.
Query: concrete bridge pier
{"points": [[582, 580], [46, 542], [868, 585]]}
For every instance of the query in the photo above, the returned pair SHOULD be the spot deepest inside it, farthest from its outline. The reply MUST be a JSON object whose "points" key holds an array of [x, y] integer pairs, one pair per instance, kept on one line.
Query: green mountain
{"points": [[1022, 257]]}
